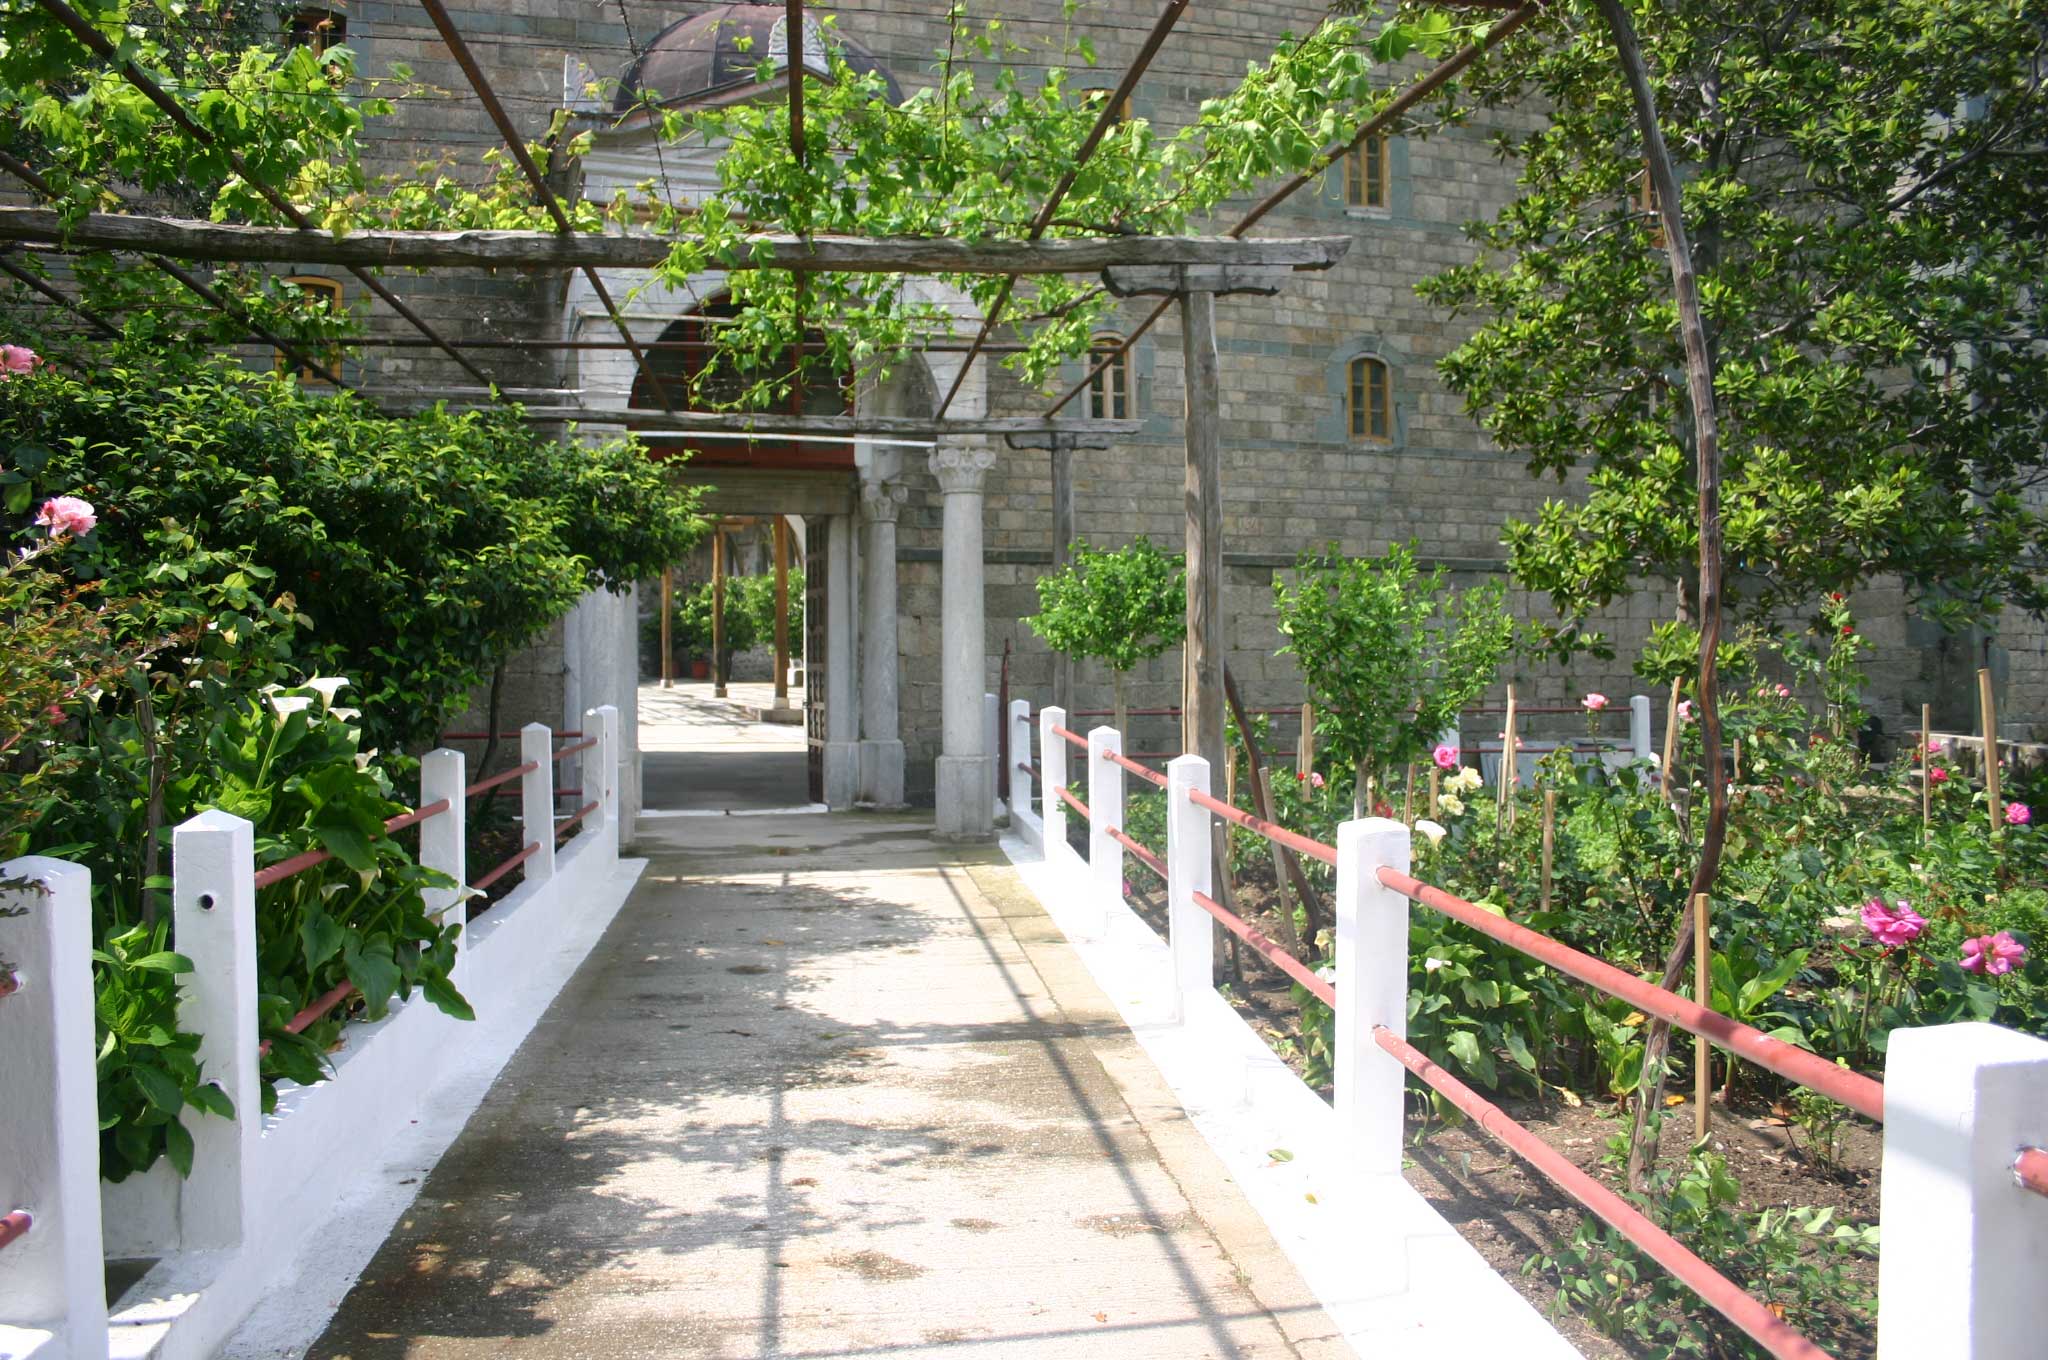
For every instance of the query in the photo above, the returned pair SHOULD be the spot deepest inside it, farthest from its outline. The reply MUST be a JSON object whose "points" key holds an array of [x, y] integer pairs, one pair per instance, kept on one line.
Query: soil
{"points": [[1511, 1214]]}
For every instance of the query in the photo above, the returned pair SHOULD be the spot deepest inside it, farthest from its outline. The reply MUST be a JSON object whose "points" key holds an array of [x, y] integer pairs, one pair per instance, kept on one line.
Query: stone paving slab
{"points": [[813, 1096]]}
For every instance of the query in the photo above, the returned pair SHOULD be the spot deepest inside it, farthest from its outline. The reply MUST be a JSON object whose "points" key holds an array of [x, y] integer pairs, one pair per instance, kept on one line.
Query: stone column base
{"points": [[961, 809], [842, 774], [881, 774]]}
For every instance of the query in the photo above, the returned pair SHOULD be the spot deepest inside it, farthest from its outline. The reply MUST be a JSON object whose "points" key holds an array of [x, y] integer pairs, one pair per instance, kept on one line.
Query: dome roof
{"points": [[715, 57]]}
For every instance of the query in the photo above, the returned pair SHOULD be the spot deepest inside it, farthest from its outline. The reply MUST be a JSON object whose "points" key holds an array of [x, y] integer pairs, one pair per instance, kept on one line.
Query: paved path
{"points": [[705, 754], [827, 1089]]}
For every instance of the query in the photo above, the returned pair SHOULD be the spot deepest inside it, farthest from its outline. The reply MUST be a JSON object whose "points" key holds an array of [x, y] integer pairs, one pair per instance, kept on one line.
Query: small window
{"points": [[1365, 173], [1644, 197], [325, 293], [1369, 400], [1109, 390], [317, 28]]}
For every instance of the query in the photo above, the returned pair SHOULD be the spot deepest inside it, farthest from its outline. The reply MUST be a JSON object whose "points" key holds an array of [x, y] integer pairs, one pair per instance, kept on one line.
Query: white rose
{"points": [[1452, 804]]}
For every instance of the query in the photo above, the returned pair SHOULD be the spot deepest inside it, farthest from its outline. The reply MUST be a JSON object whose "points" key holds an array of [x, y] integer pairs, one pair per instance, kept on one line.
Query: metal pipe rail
{"points": [[1143, 856], [562, 826], [1125, 763], [15, 1226], [505, 777], [502, 736], [507, 865], [583, 745], [1293, 840], [299, 863], [1030, 767], [1860, 1093], [1714, 1289], [2030, 1170], [1071, 738], [1073, 802], [1278, 957]]}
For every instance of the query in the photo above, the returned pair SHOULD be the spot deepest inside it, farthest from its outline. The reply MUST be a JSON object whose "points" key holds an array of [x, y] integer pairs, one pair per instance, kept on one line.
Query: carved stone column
{"points": [[963, 810], [881, 746]]}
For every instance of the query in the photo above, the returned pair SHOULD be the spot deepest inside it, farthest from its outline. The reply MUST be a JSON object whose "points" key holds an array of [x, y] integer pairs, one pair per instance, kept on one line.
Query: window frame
{"points": [[329, 29], [1365, 399], [331, 289], [1116, 385], [1368, 175]]}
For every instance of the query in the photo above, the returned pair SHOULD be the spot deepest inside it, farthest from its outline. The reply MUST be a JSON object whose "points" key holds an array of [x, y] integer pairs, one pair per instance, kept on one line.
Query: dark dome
{"points": [[714, 57]]}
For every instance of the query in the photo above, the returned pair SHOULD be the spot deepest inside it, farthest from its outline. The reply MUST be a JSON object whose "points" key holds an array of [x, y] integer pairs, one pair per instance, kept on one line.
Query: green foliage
{"points": [[1120, 606], [1388, 654], [422, 550], [1869, 239]]}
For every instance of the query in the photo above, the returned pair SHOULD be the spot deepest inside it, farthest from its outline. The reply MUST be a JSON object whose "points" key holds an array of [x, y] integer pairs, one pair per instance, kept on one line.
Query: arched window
{"points": [[326, 294], [1365, 173], [1369, 401], [1109, 391]]}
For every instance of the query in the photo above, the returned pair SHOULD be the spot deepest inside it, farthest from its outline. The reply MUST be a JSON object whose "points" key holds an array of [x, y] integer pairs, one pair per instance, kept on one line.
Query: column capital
{"points": [[881, 500], [961, 469]]}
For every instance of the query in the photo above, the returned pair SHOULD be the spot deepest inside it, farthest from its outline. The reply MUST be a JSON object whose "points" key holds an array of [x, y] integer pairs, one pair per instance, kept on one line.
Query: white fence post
{"points": [[1106, 804], [1959, 1269], [991, 730], [1372, 989], [213, 906], [605, 718], [1052, 763], [1190, 931], [443, 839], [52, 1280], [1020, 759], [537, 800], [1640, 742]]}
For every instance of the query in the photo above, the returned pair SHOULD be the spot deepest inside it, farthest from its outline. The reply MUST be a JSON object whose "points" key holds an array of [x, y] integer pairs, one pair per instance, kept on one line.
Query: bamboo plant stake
{"points": [[1509, 766], [1670, 744], [1702, 992], [1436, 788], [1989, 707], [1926, 771], [1408, 797], [1305, 753], [668, 597], [1549, 840]]}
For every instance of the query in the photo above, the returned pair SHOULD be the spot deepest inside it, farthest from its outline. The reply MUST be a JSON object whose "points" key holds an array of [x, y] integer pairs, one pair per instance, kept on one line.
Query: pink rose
{"points": [[1937, 775], [1893, 927], [1593, 703], [2018, 814], [1445, 755], [1685, 710], [16, 359], [1316, 781], [1784, 692], [1993, 955], [67, 515]]}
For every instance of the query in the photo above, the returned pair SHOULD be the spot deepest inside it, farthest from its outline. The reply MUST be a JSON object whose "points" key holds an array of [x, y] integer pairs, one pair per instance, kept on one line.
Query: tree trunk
{"points": [[1123, 712], [1699, 376]]}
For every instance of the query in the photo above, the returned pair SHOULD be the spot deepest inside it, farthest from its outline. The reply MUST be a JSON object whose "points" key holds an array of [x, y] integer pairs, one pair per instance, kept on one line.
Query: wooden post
{"points": [[1703, 993], [1988, 706], [1510, 767], [1408, 798], [1203, 701], [1735, 774], [1926, 767], [1230, 778], [1670, 745], [781, 612], [718, 611], [1436, 788], [1305, 749], [1549, 840], [668, 600]]}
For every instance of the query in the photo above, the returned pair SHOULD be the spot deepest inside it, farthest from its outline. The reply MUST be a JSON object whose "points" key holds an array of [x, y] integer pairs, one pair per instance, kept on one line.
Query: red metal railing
{"points": [[1716, 1290], [562, 826], [1071, 738], [1293, 840], [502, 736], [583, 745], [1125, 763], [306, 1018], [505, 777], [1862, 1094], [507, 865], [1073, 802], [1139, 852], [1029, 767], [299, 863], [15, 1226], [2030, 1170], [1259, 940]]}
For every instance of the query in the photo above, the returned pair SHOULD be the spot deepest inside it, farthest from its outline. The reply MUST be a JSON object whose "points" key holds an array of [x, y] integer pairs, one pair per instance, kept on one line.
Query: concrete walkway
{"points": [[827, 1089], [703, 754]]}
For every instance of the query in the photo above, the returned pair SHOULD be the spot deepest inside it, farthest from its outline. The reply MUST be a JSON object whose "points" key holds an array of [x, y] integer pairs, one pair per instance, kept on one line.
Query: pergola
{"points": [[1187, 273]]}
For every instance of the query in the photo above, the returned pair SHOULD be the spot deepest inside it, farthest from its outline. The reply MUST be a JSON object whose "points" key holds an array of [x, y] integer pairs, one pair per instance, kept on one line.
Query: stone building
{"points": [[1335, 430]]}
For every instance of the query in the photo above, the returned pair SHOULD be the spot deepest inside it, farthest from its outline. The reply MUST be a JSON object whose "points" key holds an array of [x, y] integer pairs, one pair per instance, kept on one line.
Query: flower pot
{"points": [[700, 668]]}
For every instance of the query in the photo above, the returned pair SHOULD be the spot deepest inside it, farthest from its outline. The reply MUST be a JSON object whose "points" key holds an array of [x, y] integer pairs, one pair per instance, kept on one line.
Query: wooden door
{"points": [[814, 656]]}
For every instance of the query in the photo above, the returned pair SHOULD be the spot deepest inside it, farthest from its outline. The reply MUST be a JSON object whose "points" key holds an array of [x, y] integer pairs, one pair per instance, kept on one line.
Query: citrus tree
{"points": [[1119, 607]]}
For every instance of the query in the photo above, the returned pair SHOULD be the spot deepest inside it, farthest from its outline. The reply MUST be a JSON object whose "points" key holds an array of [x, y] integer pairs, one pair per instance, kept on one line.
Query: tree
{"points": [[1870, 229], [1120, 607], [1389, 655]]}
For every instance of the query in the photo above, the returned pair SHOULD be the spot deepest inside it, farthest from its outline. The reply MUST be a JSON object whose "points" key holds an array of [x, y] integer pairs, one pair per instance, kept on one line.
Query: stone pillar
{"points": [[842, 748], [961, 781], [881, 745]]}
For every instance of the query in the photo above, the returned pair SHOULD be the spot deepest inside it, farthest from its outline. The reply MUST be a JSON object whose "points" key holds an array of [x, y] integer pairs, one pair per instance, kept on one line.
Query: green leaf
{"points": [[178, 1147], [159, 1088], [320, 938], [209, 1097], [442, 993], [374, 972]]}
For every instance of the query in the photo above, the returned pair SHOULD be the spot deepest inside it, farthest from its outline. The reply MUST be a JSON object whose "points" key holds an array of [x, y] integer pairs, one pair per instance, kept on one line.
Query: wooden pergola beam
{"points": [[1085, 433], [186, 238]]}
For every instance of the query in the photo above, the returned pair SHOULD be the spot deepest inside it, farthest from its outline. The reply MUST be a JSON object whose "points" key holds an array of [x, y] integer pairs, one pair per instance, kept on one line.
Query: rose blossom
{"points": [[1593, 703], [67, 515], [2018, 814], [16, 359], [1445, 755], [1316, 780], [1685, 710], [1937, 775], [1893, 927], [1784, 692], [1994, 955]]}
